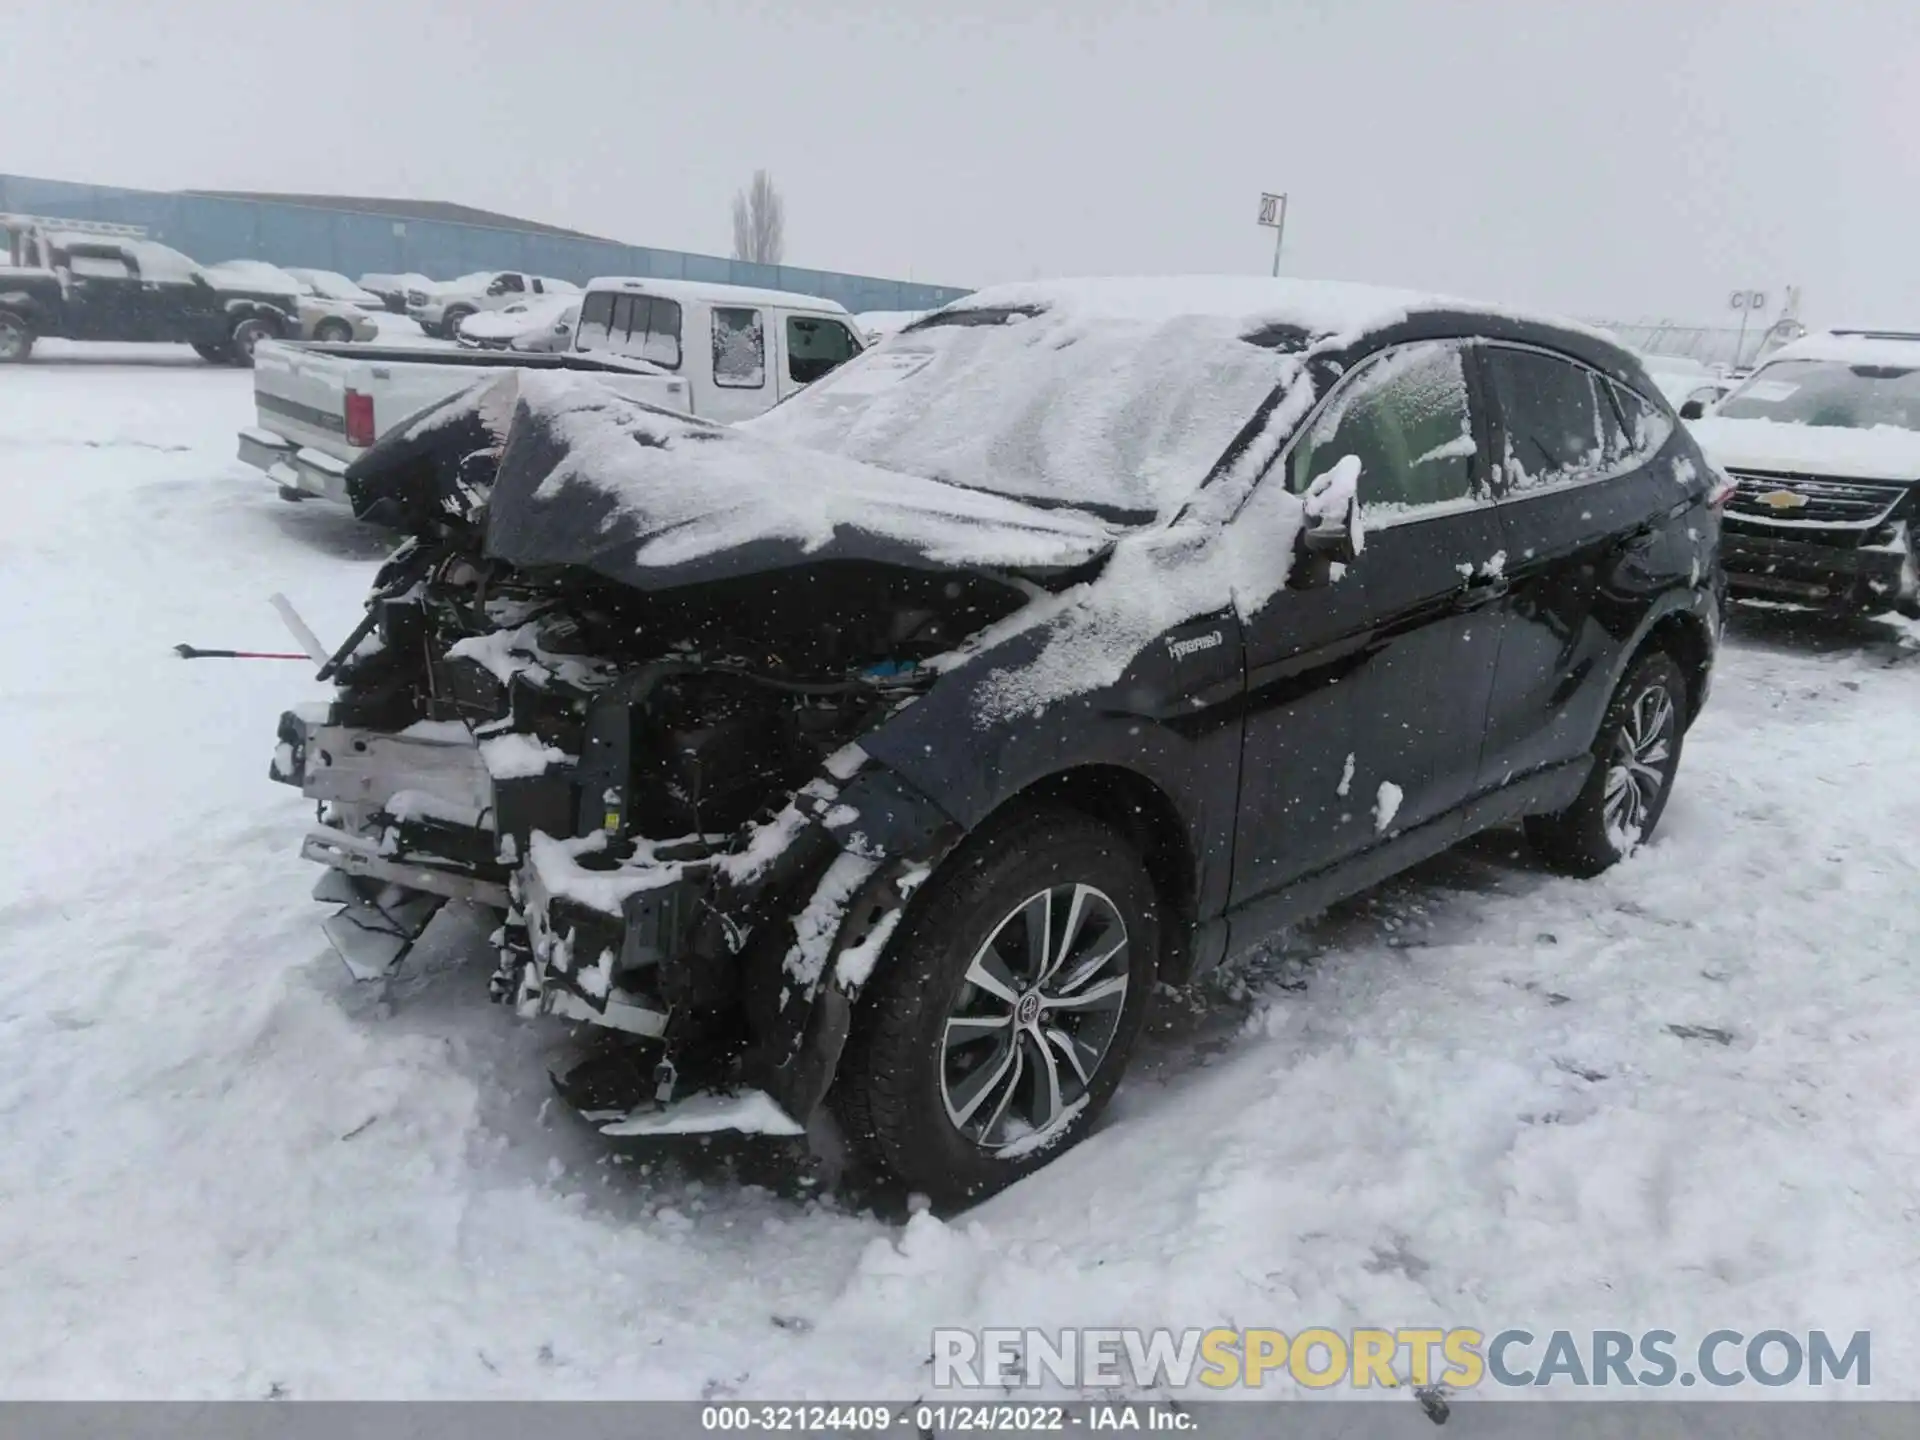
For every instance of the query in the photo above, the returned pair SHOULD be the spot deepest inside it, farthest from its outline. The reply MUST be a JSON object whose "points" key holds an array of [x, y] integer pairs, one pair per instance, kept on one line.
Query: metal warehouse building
{"points": [[359, 236]]}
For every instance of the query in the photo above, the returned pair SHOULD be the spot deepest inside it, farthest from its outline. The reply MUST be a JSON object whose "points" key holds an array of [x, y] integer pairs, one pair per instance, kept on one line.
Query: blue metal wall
{"points": [[355, 244]]}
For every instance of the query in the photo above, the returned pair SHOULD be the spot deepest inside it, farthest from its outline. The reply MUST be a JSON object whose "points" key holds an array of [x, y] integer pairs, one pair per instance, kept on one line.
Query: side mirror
{"points": [[1693, 410], [1331, 539]]}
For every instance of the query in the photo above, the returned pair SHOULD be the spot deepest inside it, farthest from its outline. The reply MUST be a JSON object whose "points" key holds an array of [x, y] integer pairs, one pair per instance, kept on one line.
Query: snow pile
{"points": [[520, 757], [589, 477]]}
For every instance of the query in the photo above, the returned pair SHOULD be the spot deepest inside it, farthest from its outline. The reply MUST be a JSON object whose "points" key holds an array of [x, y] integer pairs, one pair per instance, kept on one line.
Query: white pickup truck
{"points": [[318, 407]]}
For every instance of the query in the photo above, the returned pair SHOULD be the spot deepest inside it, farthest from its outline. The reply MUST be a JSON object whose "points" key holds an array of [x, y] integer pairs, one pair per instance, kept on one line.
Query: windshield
{"points": [[1123, 417], [1829, 392]]}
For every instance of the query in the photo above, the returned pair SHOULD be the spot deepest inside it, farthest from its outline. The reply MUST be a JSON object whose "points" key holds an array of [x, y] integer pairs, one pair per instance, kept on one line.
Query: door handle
{"points": [[1476, 593]]}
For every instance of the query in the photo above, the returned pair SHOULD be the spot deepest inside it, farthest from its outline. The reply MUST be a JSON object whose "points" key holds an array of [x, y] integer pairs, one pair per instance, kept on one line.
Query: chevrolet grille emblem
{"points": [[1783, 500]]}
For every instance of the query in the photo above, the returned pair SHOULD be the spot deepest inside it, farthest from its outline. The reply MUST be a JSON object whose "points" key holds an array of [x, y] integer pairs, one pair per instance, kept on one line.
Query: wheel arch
{"points": [[1684, 635]]}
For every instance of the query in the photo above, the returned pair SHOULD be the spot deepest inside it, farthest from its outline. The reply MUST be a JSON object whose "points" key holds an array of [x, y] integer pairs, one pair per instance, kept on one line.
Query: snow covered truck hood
{"points": [[1885, 452], [656, 500]]}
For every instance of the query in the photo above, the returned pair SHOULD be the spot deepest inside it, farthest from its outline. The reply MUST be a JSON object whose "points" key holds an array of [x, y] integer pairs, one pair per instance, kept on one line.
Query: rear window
{"points": [[1552, 411], [646, 327]]}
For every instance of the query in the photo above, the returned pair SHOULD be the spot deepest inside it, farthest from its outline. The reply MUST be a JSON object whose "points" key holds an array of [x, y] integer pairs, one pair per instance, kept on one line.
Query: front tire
{"points": [[246, 336], [1636, 757], [1007, 1010], [333, 332], [450, 323], [16, 338], [214, 354]]}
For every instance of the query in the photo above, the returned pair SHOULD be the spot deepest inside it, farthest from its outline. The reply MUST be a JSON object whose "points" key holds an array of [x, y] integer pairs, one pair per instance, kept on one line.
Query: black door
{"points": [[104, 299], [1582, 516], [1368, 687]]}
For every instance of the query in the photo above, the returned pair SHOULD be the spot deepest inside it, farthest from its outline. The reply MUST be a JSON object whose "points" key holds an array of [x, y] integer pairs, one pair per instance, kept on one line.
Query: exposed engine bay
{"points": [[647, 785]]}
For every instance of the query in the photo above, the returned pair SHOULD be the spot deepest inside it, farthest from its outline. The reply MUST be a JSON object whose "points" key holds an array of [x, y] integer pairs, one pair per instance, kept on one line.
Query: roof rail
{"points": [[9, 221], [1878, 334]]}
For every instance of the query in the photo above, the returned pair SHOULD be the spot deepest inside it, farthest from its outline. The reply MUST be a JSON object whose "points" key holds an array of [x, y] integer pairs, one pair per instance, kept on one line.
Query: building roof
{"points": [[439, 210]]}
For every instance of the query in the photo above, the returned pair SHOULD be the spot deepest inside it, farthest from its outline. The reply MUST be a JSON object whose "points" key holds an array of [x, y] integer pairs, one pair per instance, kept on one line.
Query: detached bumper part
{"points": [[376, 924]]}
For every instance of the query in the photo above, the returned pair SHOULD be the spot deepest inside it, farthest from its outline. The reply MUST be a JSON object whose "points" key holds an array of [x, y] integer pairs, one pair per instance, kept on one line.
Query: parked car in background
{"points": [[1823, 444], [533, 326], [319, 407], [885, 752], [1684, 380], [440, 308], [394, 289], [317, 317], [877, 325], [78, 280], [740, 350]]}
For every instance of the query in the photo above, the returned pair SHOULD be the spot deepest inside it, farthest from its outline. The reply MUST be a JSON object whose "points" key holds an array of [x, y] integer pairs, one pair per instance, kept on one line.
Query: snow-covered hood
{"points": [[519, 319], [1886, 452], [656, 500]]}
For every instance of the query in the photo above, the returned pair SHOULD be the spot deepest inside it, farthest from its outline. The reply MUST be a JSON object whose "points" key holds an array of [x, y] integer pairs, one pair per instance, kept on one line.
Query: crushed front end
{"points": [[663, 796]]}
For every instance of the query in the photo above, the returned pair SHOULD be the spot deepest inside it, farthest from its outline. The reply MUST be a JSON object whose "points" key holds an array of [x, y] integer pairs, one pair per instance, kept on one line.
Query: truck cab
{"points": [[88, 280], [741, 350]]}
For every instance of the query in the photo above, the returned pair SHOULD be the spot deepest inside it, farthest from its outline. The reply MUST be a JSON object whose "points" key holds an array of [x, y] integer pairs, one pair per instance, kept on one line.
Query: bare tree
{"points": [[759, 222]]}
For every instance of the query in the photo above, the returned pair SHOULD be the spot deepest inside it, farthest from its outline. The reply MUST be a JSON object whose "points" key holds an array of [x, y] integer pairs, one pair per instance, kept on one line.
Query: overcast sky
{"points": [[1618, 158]]}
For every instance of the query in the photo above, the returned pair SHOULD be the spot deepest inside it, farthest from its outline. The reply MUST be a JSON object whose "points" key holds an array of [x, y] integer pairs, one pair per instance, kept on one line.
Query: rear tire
{"points": [[16, 338], [980, 1052], [1636, 757], [214, 354]]}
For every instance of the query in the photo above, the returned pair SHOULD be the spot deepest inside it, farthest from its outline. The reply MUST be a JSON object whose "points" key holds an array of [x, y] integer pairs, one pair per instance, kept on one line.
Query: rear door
{"points": [[1580, 517], [1368, 687], [104, 300]]}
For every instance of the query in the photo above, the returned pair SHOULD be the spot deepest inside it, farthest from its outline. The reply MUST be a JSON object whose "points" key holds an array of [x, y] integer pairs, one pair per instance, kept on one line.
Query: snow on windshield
{"points": [[1116, 394], [1848, 395]]}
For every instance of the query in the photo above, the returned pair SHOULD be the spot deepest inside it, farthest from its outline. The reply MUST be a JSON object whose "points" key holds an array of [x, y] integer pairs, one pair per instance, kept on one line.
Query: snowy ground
{"points": [[1462, 1099]]}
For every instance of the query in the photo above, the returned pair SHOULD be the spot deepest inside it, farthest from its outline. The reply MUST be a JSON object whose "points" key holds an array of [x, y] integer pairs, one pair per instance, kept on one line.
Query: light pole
{"points": [[1748, 303]]}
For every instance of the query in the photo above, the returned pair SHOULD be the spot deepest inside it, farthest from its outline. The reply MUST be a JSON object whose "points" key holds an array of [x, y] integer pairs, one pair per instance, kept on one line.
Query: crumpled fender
{"points": [[891, 837]]}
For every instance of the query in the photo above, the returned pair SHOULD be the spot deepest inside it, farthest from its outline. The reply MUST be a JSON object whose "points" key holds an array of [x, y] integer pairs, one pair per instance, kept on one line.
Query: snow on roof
{"points": [[722, 294], [1877, 348], [255, 275], [156, 261]]}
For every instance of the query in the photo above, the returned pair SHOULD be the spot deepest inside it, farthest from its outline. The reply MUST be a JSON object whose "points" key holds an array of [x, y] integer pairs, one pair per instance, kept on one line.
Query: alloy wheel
{"points": [[1636, 770], [1035, 1018]]}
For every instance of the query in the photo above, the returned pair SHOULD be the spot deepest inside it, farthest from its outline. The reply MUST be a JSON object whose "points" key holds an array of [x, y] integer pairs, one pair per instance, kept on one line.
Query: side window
{"points": [[538, 288], [1647, 425], [1406, 417], [99, 264], [1551, 410], [596, 321], [816, 346], [662, 343], [739, 348]]}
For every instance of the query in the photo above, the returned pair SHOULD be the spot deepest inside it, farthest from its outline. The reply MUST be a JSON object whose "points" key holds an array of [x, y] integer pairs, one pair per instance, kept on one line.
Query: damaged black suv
{"points": [[875, 759]]}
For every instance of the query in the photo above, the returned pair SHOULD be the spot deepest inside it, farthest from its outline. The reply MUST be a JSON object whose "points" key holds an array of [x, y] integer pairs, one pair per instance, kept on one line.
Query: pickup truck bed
{"points": [[308, 430]]}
